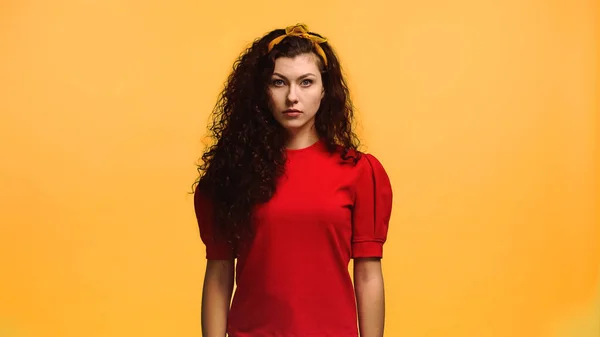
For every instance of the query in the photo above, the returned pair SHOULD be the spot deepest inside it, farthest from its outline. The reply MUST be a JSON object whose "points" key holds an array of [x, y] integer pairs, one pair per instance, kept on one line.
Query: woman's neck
{"points": [[300, 140]]}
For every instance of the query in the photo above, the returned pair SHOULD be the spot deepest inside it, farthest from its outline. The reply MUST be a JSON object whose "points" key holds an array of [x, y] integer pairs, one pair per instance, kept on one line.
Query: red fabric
{"points": [[292, 279]]}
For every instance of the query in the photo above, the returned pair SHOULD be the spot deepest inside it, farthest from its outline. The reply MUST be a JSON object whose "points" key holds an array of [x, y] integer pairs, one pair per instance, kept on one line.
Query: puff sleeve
{"points": [[372, 208], [217, 248]]}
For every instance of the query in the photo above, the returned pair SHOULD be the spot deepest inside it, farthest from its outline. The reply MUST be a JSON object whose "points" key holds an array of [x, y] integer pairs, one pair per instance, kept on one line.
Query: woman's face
{"points": [[295, 92]]}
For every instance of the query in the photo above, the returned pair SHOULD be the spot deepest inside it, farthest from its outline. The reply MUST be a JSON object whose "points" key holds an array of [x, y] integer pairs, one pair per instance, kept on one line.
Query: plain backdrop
{"points": [[484, 113]]}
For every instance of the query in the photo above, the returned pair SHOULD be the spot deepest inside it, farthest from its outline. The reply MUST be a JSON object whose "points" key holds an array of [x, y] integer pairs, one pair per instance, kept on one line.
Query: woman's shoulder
{"points": [[362, 165], [361, 160], [370, 166]]}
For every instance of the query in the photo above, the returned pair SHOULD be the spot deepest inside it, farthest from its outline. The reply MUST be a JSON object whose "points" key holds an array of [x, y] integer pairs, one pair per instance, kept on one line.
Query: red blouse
{"points": [[292, 279]]}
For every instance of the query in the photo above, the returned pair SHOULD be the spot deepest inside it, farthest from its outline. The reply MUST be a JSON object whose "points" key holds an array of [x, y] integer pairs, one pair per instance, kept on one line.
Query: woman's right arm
{"points": [[216, 297]]}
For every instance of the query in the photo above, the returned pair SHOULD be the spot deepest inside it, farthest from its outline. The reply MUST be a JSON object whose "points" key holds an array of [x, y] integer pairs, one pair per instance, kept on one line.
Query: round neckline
{"points": [[305, 149]]}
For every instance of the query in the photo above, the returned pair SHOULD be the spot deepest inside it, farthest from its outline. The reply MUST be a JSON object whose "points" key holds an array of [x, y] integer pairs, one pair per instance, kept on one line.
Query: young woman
{"points": [[285, 191]]}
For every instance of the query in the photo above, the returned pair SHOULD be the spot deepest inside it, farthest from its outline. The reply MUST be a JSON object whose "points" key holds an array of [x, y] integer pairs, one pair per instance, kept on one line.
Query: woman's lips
{"points": [[292, 112]]}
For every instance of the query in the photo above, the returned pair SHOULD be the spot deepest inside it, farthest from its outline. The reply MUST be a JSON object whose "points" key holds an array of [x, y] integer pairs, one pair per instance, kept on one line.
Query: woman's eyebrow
{"points": [[301, 77]]}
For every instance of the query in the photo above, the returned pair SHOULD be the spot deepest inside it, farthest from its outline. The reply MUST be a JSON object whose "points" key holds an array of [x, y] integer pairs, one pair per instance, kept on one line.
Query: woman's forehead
{"points": [[298, 65]]}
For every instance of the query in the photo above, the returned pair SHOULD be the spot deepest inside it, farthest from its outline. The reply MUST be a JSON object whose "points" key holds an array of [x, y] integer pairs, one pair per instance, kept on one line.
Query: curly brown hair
{"points": [[241, 168]]}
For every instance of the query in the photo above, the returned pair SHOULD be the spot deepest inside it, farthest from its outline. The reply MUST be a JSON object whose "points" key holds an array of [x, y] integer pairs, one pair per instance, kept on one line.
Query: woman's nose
{"points": [[292, 95]]}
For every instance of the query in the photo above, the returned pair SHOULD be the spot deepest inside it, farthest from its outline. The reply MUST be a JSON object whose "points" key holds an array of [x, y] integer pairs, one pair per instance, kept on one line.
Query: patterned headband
{"points": [[301, 30]]}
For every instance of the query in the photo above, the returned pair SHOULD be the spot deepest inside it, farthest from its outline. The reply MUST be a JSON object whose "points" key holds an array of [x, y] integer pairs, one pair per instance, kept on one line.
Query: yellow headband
{"points": [[301, 30]]}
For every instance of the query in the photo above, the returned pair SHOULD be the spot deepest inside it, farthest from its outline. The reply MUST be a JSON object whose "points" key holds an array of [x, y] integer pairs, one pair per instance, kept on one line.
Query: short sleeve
{"points": [[217, 248], [372, 208]]}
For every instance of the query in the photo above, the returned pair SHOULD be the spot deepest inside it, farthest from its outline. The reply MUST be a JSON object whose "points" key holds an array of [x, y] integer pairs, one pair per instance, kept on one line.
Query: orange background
{"points": [[485, 115]]}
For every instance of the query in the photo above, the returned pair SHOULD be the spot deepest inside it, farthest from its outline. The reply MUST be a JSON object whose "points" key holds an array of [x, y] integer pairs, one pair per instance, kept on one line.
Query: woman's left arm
{"points": [[370, 296]]}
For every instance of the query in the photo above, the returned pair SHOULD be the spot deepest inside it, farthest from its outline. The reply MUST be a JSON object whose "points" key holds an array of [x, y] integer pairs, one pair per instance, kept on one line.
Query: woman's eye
{"points": [[307, 82], [278, 83]]}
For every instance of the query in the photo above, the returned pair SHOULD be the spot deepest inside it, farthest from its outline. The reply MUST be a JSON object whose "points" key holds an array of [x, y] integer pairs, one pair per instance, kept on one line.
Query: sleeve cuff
{"points": [[367, 249]]}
